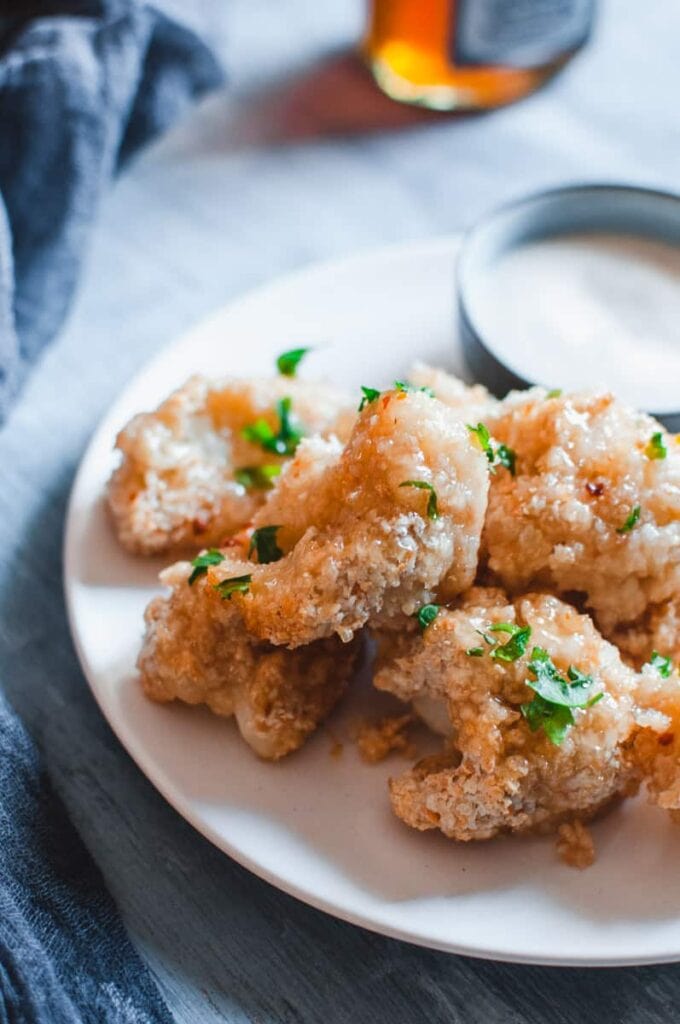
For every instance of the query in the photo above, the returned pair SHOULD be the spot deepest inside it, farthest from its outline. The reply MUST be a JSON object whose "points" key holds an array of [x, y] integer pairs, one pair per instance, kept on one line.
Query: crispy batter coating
{"points": [[657, 630], [377, 740], [360, 547], [299, 497], [658, 754], [175, 488], [575, 845], [560, 524], [197, 650], [472, 402], [497, 775]]}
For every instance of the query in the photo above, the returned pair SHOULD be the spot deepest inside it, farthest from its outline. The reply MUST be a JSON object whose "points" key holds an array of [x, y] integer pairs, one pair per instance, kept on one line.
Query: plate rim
{"points": [[447, 244]]}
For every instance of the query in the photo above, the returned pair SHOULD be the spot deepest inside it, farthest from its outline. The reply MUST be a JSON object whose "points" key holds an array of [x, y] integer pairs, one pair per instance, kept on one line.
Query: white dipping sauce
{"points": [[589, 310]]}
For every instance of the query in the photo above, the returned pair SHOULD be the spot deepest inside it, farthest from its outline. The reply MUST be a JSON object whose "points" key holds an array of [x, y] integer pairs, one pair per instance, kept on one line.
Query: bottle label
{"points": [[518, 33]]}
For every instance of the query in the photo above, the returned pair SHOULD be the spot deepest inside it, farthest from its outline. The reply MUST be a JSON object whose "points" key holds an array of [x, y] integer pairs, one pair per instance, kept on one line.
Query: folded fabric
{"points": [[81, 88], [64, 954]]}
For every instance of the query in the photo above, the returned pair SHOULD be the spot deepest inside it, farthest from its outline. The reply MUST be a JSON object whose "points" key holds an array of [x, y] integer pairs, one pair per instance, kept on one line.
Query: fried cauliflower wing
{"points": [[588, 509], [658, 754], [197, 650], [176, 488], [658, 629], [497, 775], [393, 519], [471, 402]]}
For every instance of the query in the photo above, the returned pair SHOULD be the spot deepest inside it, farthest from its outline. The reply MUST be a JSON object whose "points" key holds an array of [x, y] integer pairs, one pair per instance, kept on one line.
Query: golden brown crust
{"points": [[377, 740], [658, 629], [500, 776], [175, 488], [582, 469], [197, 650], [575, 846], [658, 752], [369, 551]]}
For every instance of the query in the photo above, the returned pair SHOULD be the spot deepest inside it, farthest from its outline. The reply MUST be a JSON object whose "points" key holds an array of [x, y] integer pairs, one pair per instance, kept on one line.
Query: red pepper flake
{"points": [[597, 490], [666, 739]]}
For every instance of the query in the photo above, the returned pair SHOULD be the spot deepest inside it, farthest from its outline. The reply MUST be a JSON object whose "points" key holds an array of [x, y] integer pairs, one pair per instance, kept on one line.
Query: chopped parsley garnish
{"points": [[432, 512], [405, 385], [426, 615], [235, 585], [502, 455], [656, 448], [664, 666], [552, 709], [202, 562], [483, 439], [630, 521], [513, 648], [263, 541], [257, 478], [506, 457], [370, 395], [287, 363], [554, 393], [283, 442]]}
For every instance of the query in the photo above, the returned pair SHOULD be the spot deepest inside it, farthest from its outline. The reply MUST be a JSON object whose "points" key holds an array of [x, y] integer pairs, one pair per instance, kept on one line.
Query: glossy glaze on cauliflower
{"points": [[497, 773], [197, 650], [178, 486]]}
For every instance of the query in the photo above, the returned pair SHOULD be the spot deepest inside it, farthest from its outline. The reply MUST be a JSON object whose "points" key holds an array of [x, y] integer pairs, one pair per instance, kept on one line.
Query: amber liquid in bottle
{"points": [[416, 49]]}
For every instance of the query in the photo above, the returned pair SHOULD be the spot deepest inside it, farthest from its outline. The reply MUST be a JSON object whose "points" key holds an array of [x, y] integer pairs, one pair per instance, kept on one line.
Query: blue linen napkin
{"points": [[64, 954], [81, 88]]}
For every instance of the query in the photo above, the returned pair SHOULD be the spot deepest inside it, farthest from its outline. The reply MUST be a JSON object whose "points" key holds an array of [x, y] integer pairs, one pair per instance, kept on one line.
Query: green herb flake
{"points": [[483, 439], [475, 652], [432, 511], [553, 719], [513, 648], [554, 393], [663, 665], [405, 385], [426, 615], [235, 585], [502, 455], [257, 478], [656, 448], [288, 362], [283, 442], [263, 541], [202, 562], [370, 395], [556, 698], [507, 457], [631, 521]]}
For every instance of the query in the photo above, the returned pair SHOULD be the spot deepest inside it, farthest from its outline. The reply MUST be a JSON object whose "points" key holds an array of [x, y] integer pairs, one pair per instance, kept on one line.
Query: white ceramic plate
{"points": [[315, 825]]}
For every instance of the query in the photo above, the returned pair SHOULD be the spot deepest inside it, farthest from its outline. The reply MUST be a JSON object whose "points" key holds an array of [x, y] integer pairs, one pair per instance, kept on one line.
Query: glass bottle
{"points": [[471, 54]]}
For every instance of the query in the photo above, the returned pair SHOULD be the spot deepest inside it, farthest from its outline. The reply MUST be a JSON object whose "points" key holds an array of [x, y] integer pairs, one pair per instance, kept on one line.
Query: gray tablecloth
{"points": [[279, 173]]}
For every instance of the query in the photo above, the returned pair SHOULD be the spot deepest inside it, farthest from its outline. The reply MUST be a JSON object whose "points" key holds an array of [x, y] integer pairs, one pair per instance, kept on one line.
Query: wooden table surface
{"points": [[300, 159]]}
